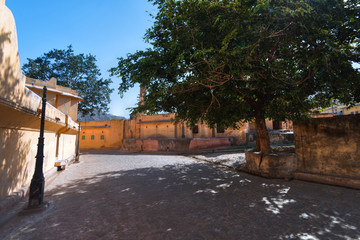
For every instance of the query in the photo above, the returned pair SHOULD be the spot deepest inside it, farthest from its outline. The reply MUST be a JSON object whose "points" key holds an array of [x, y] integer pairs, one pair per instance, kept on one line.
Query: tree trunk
{"points": [[262, 138]]}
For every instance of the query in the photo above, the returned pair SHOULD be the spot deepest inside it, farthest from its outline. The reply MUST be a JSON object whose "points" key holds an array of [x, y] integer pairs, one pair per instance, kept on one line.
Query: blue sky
{"points": [[107, 29]]}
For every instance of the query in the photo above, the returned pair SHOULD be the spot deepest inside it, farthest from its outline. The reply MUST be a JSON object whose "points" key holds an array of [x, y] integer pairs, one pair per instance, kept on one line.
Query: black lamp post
{"points": [[36, 195]]}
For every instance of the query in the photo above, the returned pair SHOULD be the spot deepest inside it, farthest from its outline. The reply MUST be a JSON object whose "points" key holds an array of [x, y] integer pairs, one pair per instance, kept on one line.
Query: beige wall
{"points": [[352, 110], [11, 80], [342, 110], [13, 93], [73, 110], [329, 146], [20, 118], [62, 98], [18, 150], [67, 145], [64, 104]]}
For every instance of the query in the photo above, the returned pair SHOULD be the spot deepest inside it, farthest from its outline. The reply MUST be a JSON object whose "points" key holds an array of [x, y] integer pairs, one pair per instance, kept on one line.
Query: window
{"points": [[102, 137], [92, 137], [195, 129], [83, 137]]}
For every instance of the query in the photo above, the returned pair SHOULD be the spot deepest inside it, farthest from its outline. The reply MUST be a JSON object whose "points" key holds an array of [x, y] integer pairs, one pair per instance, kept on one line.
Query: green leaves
{"points": [[229, 61], [78, 72]]}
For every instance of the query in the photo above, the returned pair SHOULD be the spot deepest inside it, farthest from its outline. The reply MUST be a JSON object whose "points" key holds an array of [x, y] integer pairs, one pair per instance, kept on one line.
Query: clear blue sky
{"points": [[107, 29]]}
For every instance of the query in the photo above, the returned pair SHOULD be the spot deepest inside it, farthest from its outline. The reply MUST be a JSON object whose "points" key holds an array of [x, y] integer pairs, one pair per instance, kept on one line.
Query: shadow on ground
{"points": [[196, 201]]}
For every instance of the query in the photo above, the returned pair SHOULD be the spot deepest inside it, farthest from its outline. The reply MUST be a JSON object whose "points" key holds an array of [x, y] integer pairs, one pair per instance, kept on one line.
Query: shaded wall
{"points": [[329, 146], [18, 150]]}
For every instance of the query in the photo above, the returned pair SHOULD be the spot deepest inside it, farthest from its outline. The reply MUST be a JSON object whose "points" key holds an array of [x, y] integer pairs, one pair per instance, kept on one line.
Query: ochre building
{"points": [[342, 110], [20, 108], [113, 134]]}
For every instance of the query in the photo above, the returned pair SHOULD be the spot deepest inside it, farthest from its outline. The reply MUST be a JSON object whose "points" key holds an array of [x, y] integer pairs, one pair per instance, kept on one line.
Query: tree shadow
{"points": [[194, 201], [14, 160], [119, 152], [4, 38], [14, 151], [11, 80]]}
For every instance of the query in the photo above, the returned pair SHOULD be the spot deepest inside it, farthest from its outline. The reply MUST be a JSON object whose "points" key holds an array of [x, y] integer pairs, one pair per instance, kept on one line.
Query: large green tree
{"points": [[78, 72], [225, 61]]}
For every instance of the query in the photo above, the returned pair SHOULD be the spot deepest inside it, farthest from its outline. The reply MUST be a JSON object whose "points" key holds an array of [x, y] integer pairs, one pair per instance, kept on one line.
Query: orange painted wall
{"points": [[162, 126], [157, 130], [101, 134], [156, 126]]}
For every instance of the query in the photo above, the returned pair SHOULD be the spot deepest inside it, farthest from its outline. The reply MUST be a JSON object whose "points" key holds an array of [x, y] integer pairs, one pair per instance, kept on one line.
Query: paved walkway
{"points": [[172, 197]]}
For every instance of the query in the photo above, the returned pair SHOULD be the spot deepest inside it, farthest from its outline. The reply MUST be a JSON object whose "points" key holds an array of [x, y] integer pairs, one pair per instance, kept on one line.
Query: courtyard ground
{"points": [[110, 195]]}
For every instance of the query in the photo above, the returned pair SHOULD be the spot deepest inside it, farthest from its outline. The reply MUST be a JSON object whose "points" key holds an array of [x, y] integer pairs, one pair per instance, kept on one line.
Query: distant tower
{"points": [[142, 95]]}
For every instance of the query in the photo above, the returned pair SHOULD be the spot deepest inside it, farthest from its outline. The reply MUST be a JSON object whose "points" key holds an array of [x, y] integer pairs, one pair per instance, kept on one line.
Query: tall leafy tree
{"points": [[225, 61], [78, 72]]}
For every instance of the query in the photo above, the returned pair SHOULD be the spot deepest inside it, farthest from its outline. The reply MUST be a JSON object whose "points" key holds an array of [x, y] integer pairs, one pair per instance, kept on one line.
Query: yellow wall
{"points": [[154, 126], [157, 130], [92, 132], [157, 126], [342, 110], [352, 110]]}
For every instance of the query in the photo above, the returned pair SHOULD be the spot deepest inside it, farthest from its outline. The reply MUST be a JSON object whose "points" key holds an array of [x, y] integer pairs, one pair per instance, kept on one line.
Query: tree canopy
{"points": [[78, 72], [229, 61]]}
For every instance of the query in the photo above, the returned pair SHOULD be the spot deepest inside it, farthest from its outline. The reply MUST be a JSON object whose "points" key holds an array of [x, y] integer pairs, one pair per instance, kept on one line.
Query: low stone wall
{"points": [[329, 146], [273, 165], [174, 144], [204, 143]]}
